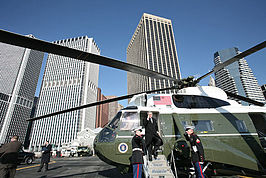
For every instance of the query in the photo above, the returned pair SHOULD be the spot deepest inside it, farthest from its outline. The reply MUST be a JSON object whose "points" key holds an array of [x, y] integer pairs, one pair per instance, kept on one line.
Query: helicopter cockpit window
{"points": [[107, 135], [185, 124], [114, 123], [194, 101], [129, 121], [203, 125]]}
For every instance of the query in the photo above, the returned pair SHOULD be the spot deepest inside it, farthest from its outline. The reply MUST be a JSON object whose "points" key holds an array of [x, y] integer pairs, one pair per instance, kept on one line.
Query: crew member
{"points": [[152, 137], [197, 152], [138, 151], [9, 158]]}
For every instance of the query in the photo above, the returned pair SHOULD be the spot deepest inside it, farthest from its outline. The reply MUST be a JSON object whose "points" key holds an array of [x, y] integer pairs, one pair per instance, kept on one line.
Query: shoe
{"points": [[150, 158], [39, 171]]}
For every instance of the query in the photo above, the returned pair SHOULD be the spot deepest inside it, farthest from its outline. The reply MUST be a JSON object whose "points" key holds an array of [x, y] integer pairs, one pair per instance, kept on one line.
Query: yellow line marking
{"points": [[27, 167]]}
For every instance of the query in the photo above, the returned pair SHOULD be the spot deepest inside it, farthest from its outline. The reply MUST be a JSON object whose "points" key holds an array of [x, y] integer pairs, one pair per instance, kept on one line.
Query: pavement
{"points": [[89, 167]]}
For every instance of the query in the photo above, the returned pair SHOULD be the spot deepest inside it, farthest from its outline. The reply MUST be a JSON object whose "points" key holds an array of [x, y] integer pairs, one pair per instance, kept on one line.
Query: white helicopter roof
{"points": [[214, 92]]}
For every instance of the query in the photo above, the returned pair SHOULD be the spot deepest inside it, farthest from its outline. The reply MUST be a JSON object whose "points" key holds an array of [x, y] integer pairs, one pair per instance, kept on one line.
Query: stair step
{"points": [[162, 176], [159, 168], [157, 164]]}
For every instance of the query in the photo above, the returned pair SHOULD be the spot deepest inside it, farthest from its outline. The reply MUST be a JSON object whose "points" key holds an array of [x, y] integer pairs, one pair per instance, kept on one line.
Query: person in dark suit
{"points": [[197, 151], [138, 151], [152, 137], [9, 158], [46, 154]]}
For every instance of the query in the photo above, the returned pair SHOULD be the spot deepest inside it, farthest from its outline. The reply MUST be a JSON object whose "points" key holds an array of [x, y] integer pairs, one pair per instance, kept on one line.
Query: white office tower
{"points": [[153, 47], [19, 73], [67, 83], [237, 77]]}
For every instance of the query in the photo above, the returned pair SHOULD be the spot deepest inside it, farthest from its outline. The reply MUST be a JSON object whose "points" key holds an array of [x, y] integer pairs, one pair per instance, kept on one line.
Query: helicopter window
{"points": [[193, 101], [107, 135], [203, 125], [129, 121], [184, 123], [114, 123], [241, 126]]}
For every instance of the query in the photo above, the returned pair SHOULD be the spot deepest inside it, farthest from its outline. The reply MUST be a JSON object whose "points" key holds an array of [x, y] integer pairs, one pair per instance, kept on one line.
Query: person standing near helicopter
{"points": [[138, 151], [152, 137], [197, 152]]}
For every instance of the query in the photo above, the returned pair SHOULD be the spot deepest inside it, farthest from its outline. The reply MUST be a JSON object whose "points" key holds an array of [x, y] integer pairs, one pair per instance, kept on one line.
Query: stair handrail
{"points": [[173, 162], [145, 166]]}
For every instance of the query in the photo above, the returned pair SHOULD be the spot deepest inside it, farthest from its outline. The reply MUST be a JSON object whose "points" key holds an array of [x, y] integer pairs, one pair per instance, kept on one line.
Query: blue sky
{"points": [[200, 28]]}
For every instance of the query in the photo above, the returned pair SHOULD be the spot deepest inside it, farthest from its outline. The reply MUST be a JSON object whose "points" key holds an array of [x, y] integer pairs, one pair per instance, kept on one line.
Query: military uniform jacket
{"points": [[138, 149], [197, 152]]}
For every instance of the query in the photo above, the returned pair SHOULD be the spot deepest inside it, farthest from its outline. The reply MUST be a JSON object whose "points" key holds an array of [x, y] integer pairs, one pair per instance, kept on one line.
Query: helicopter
{"points": [[233, 135]]}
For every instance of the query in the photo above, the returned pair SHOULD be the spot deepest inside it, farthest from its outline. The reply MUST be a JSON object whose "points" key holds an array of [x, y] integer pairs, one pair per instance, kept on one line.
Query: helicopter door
{"points": [[144, 115], [259, 121]]}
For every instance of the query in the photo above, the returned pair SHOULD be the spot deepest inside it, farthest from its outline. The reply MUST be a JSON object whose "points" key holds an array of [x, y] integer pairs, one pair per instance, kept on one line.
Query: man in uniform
{"points": [[9, 158], [138, 150], [197, 152], [46, 154], [152, 137]]}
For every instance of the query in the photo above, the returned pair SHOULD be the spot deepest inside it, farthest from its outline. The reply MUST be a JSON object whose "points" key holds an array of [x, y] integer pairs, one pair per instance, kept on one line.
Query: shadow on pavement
{"points": [[105, 173]]}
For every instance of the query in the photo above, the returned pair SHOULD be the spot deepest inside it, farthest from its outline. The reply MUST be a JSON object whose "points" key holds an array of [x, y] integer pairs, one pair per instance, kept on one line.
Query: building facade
{"points": [[19, 73], [67, 83], [102, 111], [153, 47], [114, 107], [237, 78]]}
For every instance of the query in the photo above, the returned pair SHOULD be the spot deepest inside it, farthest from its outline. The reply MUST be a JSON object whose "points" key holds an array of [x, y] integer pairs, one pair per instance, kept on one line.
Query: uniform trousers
{"points": [[199, 170], [7, 170], [137, 170]]}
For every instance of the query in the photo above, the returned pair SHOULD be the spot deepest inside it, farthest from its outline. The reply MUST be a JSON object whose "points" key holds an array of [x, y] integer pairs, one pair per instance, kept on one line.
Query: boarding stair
{"points": [[157, 168]]}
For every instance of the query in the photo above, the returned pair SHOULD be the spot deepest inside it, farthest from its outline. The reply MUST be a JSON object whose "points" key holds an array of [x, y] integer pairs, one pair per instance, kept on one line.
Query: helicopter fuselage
{"points": [[230, 133]]}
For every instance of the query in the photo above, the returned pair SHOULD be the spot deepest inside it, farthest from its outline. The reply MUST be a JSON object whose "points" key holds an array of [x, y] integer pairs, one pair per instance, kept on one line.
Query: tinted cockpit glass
{"points": [[114, 123], [107, 135], [194, 101]]}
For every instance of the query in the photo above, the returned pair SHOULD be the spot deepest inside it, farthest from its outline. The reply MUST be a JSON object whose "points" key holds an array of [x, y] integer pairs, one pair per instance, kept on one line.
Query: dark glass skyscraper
{"points": [[153, 47], [237, 77]]}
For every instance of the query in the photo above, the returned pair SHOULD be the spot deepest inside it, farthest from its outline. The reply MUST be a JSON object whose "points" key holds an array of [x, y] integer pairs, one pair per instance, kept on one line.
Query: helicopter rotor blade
{"points": [[233, 59], [246, 99], [40, 45], [99, 102]]}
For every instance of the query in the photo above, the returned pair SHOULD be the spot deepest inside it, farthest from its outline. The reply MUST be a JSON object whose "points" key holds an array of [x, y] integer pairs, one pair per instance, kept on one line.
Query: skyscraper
{"points": [[66, 83], [153, 47], [19, 73], [237, 77]]}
